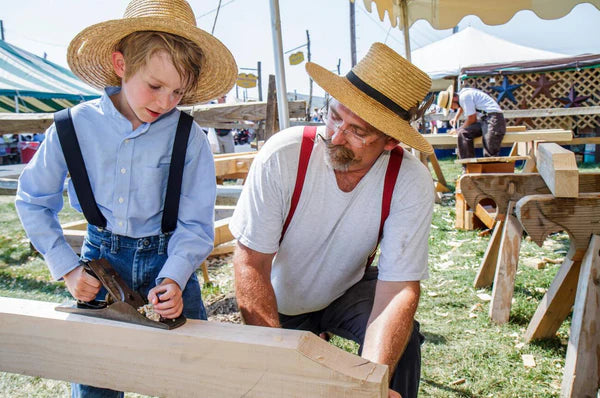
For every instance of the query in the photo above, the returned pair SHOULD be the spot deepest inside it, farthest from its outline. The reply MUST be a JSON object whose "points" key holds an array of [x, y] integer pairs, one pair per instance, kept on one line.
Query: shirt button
{"points": [[121, 200], [120, 223], [123, 171]]}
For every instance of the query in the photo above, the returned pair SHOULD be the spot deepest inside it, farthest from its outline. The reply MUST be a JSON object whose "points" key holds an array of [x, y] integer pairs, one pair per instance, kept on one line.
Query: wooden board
{"points": [[501, 188], [497, 167], [580, 376], [492, 159], [550, 135], [506, 268], [558, 168], [207, 115], [199, 358], [541, 215], [226, 166], [487, 270]]}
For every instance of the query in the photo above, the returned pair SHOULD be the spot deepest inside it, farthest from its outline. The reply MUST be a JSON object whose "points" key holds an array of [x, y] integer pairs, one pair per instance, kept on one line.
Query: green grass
{"points": [[461, 342]]}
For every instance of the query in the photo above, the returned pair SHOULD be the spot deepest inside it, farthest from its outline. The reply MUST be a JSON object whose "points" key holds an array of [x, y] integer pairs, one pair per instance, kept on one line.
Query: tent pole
{"points": [[282, 104], [405, 28], [16, 104]]}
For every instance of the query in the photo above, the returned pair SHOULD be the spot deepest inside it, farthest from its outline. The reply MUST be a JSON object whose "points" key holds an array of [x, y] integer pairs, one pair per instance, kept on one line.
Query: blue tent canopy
{"points": [[29, 83]]}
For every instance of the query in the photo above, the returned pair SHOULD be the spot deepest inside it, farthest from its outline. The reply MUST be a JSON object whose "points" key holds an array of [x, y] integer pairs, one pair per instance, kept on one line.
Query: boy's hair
{"points": [[138, 47]]}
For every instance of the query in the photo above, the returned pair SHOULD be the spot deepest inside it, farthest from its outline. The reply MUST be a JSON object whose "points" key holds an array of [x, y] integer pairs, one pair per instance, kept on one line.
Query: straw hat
{"points": [[89, 54], [445, 98], [383, 89]]}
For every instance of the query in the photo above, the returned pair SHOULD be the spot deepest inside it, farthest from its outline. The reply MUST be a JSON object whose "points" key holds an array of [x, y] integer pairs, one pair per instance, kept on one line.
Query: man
{"points": [[483, 119], [301, 259]]}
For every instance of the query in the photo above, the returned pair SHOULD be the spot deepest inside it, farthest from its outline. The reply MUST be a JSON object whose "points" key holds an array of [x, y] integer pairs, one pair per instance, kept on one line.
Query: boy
{"points": [[154, 236]]}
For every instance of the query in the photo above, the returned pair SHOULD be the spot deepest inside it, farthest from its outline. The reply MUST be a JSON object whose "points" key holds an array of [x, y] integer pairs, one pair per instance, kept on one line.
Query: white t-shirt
{"points": [[332, 233], [472, 100]]}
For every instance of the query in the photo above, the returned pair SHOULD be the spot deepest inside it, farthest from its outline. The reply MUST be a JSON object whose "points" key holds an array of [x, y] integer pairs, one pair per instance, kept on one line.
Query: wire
{"points": [[212, 32], [215, 9]]}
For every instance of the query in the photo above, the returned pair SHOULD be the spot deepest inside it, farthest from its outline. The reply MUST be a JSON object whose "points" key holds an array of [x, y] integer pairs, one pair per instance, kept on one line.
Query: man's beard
{"points": [[339, 157]]}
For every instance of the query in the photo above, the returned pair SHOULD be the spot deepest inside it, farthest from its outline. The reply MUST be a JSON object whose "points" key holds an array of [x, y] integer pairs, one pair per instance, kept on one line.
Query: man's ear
{"points": [[118, 63], [391, 143]]}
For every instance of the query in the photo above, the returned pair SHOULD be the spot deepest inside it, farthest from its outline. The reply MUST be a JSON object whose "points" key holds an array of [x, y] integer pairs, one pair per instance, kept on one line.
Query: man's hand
{"points": [[82, 285], [393, 394], [166, 299], [453, 122], [452, 132]]}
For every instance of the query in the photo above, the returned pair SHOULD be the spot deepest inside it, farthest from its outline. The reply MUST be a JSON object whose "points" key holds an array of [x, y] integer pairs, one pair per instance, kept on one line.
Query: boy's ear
{"points": [[118, 62]]}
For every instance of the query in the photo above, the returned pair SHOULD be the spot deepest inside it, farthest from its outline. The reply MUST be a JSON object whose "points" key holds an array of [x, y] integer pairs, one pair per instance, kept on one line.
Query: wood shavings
{"points": [[148, 311]]}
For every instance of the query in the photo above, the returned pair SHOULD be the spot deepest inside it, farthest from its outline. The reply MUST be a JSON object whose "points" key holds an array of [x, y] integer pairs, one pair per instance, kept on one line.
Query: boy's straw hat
{"points": [[445, 98], [89, 54], [383, 89]]}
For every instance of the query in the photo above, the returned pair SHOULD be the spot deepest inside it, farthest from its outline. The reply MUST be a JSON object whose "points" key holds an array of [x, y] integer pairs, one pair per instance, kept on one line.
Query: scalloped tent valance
{"points": [[445, 14]]}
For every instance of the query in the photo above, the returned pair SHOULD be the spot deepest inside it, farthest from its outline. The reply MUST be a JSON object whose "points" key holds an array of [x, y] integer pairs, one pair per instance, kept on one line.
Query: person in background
{"points": [[147, 63], [226, 141], [483, 118], [306, 261]]}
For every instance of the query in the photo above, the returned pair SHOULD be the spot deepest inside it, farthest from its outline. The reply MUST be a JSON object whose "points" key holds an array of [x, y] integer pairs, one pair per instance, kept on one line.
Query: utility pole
{"points": [[282, 103], [352, 34], [310, 86], [259, 81]]}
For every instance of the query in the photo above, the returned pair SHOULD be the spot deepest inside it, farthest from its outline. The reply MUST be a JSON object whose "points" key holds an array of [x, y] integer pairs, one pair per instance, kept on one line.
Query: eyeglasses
{"points": [[350, 135]]}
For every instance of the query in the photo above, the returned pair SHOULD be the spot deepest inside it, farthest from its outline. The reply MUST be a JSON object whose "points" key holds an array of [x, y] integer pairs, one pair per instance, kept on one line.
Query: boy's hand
{"points": [[82, 285], [167, 299]]}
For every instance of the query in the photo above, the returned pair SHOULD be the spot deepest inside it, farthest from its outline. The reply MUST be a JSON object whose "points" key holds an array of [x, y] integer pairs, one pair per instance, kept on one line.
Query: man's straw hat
{"points": [[445, 98], [383, 89], [89, 54]]}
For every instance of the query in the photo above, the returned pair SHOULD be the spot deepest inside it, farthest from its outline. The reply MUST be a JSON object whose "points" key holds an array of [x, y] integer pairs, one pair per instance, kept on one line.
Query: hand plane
{"points": [[121, 303]]}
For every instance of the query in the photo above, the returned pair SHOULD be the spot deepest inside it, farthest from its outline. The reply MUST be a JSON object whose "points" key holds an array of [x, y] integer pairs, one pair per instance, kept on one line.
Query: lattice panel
{"points": [[586, 82]]}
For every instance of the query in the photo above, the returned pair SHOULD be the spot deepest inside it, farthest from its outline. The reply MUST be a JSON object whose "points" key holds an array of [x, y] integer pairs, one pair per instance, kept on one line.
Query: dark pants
{"points": [[347, 317], [491, 128]]}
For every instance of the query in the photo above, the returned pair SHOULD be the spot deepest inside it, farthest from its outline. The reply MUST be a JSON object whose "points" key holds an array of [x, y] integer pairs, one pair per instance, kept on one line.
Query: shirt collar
{"points": [[109, 109]]}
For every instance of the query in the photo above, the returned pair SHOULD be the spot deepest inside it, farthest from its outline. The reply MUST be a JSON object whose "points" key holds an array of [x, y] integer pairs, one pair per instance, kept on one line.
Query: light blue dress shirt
{"points": [[128, 172]]}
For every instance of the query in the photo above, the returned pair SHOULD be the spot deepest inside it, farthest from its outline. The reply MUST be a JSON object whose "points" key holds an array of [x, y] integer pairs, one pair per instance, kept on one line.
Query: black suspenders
{"points": [[81, 182]]}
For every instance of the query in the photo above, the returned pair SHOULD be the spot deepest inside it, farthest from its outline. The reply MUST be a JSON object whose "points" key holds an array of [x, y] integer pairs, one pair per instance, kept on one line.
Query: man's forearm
{"points": [[253, 289], [390, 325], [256, 299]]}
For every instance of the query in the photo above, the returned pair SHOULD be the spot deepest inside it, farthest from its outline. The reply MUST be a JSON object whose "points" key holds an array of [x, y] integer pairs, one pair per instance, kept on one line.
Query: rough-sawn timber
{"points": [[200, 358]]}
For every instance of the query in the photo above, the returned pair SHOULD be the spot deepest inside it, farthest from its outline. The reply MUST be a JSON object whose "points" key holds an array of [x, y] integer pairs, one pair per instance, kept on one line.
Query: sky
{"points": [[244, 26]]}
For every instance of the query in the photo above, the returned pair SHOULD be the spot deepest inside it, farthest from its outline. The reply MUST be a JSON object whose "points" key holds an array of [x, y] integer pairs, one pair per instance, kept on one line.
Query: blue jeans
{"points": [[138, 261]]}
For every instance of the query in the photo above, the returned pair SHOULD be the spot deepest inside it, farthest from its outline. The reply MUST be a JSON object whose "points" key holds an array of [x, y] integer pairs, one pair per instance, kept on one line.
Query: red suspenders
{"points": [[308, 139]]}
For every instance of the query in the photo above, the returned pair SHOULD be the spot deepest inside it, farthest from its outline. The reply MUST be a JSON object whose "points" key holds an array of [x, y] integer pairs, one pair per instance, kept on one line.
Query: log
{"points": [[558, 168], [199, 358]]}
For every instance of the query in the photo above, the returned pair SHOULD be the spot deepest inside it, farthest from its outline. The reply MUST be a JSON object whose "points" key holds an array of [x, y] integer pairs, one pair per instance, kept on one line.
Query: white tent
{"points": [[469, 47]]}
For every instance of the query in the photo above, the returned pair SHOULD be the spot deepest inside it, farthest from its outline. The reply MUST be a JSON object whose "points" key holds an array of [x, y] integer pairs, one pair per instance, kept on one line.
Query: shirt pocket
{"points": [[150, 187]]}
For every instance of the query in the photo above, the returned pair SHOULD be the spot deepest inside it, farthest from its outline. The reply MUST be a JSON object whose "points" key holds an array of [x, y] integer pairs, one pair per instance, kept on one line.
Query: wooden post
{"points": [[200, 358], [558, 168], [506, 268], [581, 377], [487, 270], [272, 122]]}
